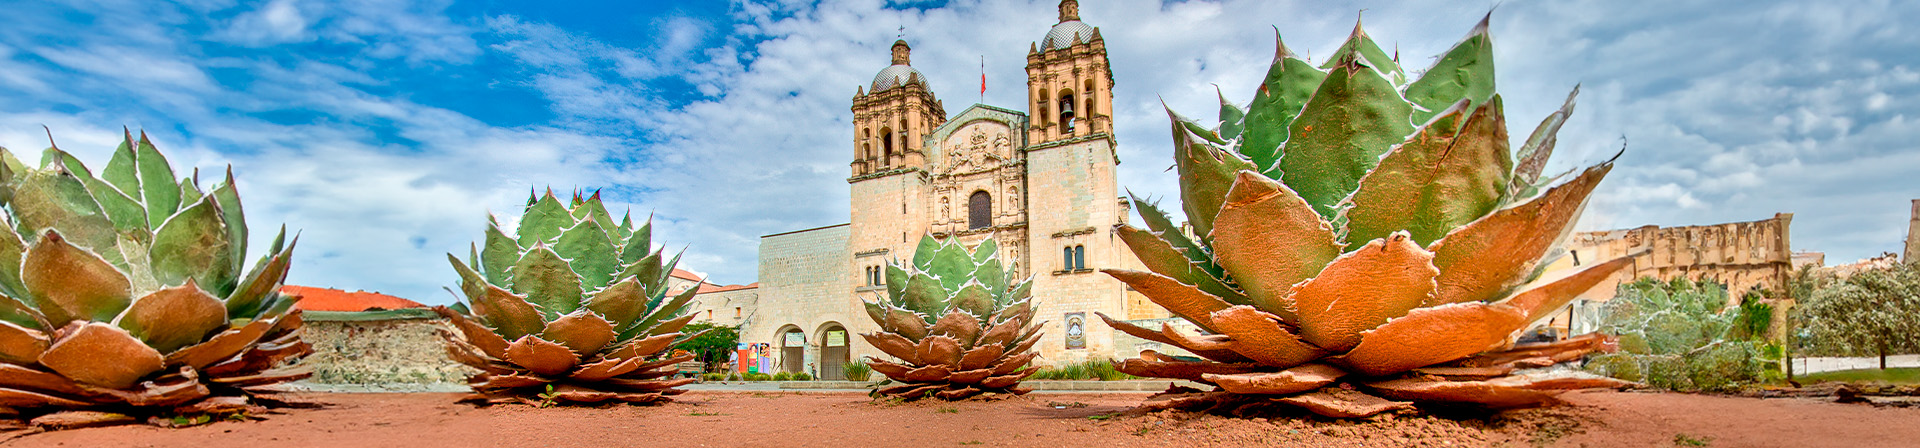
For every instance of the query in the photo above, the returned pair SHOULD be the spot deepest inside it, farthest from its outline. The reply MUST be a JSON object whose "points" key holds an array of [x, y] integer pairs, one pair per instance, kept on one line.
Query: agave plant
{"points": [[132, 300], [1358, 225], [957, 324], [573, 309]]}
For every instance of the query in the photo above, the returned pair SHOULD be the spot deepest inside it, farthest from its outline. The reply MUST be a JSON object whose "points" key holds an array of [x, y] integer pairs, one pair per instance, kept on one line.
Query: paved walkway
{"points": [[1816, 365]]}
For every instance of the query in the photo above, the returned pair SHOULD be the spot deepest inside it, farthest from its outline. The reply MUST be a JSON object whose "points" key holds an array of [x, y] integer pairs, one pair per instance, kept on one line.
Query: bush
{"points": [[733, 376], [716, 376], [1624, 366], [757, 377], [1682, 335], [1723, 367], [1086, 370], [782, 376], [856, 371], [800, 376]]}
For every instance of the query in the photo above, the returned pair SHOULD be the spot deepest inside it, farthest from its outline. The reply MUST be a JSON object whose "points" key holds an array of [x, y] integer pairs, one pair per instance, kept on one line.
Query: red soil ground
{"points": [[715, 418]]}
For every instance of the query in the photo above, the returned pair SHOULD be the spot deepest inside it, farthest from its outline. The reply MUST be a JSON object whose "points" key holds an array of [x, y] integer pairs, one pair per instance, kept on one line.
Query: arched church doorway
{"points": [[833, 352], [793, 351]]}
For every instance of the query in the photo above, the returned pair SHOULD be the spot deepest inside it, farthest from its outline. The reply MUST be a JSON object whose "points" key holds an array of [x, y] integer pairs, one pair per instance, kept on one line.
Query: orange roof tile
{"points": [[685, 274], [329, 299]]}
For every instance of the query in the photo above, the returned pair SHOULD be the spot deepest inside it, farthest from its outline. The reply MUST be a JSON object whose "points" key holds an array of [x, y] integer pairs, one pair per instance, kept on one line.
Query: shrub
{"points": [[856, 371], [1085, 370], [757, 377], [1682, 335], [800, 376], [782, 376], [733, 377], [716, 376], [1624, 366]]}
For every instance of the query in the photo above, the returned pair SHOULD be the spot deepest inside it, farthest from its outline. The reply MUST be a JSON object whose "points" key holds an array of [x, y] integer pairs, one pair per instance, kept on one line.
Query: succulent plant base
{"points": [[1483, 382], [958, 325]]}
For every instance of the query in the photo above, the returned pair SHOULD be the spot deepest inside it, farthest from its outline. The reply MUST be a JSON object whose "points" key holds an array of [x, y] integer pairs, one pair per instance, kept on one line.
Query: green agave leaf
{"points": [[1162, 226], [125, 212], [11, 251], [227, 196], [1353, 118], [58, 200], [639, 244], [1019, 291], [624, 231], [1437, 181], [1206, 172], [7, 175], [263, 282], [1159, 256], [190, 189], [923, 254], [592, 209], [193, 244], [68, 283], [1289, 82], [925, 294], [1361, 47], [896, 282], [622, 303], [163, 198], [547, 281], [1489, 257], [590, 253], [1533, 154], [672, 308], [987, 249], [1465, 72], [19, 313], [952, 264], [500, 253], [120, 170], [53, 155], [543, 221], [975, 299], [991, 276], [1232, 117]]}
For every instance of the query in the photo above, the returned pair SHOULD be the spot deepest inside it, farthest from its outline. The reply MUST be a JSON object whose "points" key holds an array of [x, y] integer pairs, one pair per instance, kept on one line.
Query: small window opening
{"points": [[979, 210]]}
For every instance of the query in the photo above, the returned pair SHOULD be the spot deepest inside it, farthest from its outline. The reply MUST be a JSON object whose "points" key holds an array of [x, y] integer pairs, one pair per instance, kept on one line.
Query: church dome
{"points": [[895, 76], [1066, 34]]}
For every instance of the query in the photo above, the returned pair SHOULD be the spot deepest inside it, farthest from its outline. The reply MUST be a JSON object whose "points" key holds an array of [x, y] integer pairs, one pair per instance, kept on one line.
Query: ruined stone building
{"points": [[1038, 178], [1745, 256]]}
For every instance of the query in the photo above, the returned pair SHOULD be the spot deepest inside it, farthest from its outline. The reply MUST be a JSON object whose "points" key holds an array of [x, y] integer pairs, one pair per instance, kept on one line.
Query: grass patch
{"points": [[1687, 440], [1897, 375], [1086, 370], [706, 414], [948, 410]]}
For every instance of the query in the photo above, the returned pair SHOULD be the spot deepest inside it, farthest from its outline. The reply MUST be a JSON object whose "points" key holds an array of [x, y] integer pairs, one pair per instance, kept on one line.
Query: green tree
{"points": [[1683, 335], [710, 347], [1875, 312]]}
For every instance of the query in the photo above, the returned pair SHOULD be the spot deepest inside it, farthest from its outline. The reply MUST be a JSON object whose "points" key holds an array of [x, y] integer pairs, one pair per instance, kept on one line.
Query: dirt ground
{"points": [[842, 419]]}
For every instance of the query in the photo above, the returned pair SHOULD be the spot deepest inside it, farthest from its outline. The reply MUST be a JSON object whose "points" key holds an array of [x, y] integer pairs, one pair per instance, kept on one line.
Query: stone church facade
{"points": [[1040, 182]]}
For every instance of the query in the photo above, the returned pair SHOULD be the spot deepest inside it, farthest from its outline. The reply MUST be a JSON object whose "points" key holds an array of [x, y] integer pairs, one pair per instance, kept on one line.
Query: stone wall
{"points": [[803, 285], [350, 351], [1743, 255]]}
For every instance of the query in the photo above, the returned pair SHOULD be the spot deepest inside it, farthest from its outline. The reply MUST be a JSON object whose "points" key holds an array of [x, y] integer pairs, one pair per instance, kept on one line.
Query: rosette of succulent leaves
{"points": [[571, 309], [1356, 225], [956, 322], [125, 296]]}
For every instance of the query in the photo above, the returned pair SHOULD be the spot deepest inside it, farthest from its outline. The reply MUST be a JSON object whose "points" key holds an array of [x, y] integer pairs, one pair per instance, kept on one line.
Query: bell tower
{"points": [[1069, 84], [893, 116]]}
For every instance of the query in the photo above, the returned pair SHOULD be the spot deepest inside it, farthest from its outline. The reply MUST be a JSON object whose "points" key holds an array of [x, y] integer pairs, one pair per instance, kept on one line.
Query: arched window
{"points": [[1066, 112], [886, 145], [1079, 257], [980, 210], [1066, 258]]}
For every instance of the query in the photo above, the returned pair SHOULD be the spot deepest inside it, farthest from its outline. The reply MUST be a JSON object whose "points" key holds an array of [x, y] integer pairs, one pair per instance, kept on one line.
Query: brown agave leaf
{"points": [[172, 318], [583, 331], [21, 345], [647, 385], [464, 353], [969, 376], [957, 324], [1182, 299], [1269, 239], [81, 419], [542, 357], [1004, 381], [1466, 373], [895, 371], [15, 398], [1429, 336], [1543, 300], [1260, 337], [221, 346], [13, 376], [935, 372], [293, 373], [604, 369], [181, 391], [69, 283], [477, 335], [1362, 290], [642, 348], [504, 382], [1002, 334], [957, 394], [1155, 336], [1209, 342], [1565, 350], [905, 322], [510, 314], [1295, 380], [1494, 395], [1487, 257], [938, 350], [895, 345], [1342, 403], [671, 326], [1013, 363], [1186, 370], [1031, 338], [981, 356], [623, 302], [102, 355]]}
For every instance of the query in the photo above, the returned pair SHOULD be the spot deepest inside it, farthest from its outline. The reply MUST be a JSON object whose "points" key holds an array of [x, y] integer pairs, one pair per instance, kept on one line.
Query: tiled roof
{"points": [[329, 299], [686, 275]]}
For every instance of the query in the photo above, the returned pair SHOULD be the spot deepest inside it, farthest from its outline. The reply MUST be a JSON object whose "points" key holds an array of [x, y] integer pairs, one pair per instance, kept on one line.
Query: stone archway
{"points": [[793, 350], [834, 344]]}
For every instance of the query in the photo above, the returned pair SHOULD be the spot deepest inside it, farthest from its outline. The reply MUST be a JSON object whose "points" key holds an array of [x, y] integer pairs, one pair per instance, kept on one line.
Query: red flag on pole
{"points": [[983, 78]]}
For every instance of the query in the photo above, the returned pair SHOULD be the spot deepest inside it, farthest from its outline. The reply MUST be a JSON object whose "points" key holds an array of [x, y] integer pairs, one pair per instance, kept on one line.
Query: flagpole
{"points": [[983, 79]]}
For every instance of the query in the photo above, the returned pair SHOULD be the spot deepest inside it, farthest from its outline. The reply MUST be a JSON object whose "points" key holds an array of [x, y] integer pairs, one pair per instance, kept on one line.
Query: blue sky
{"points": [[386, 130]]}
